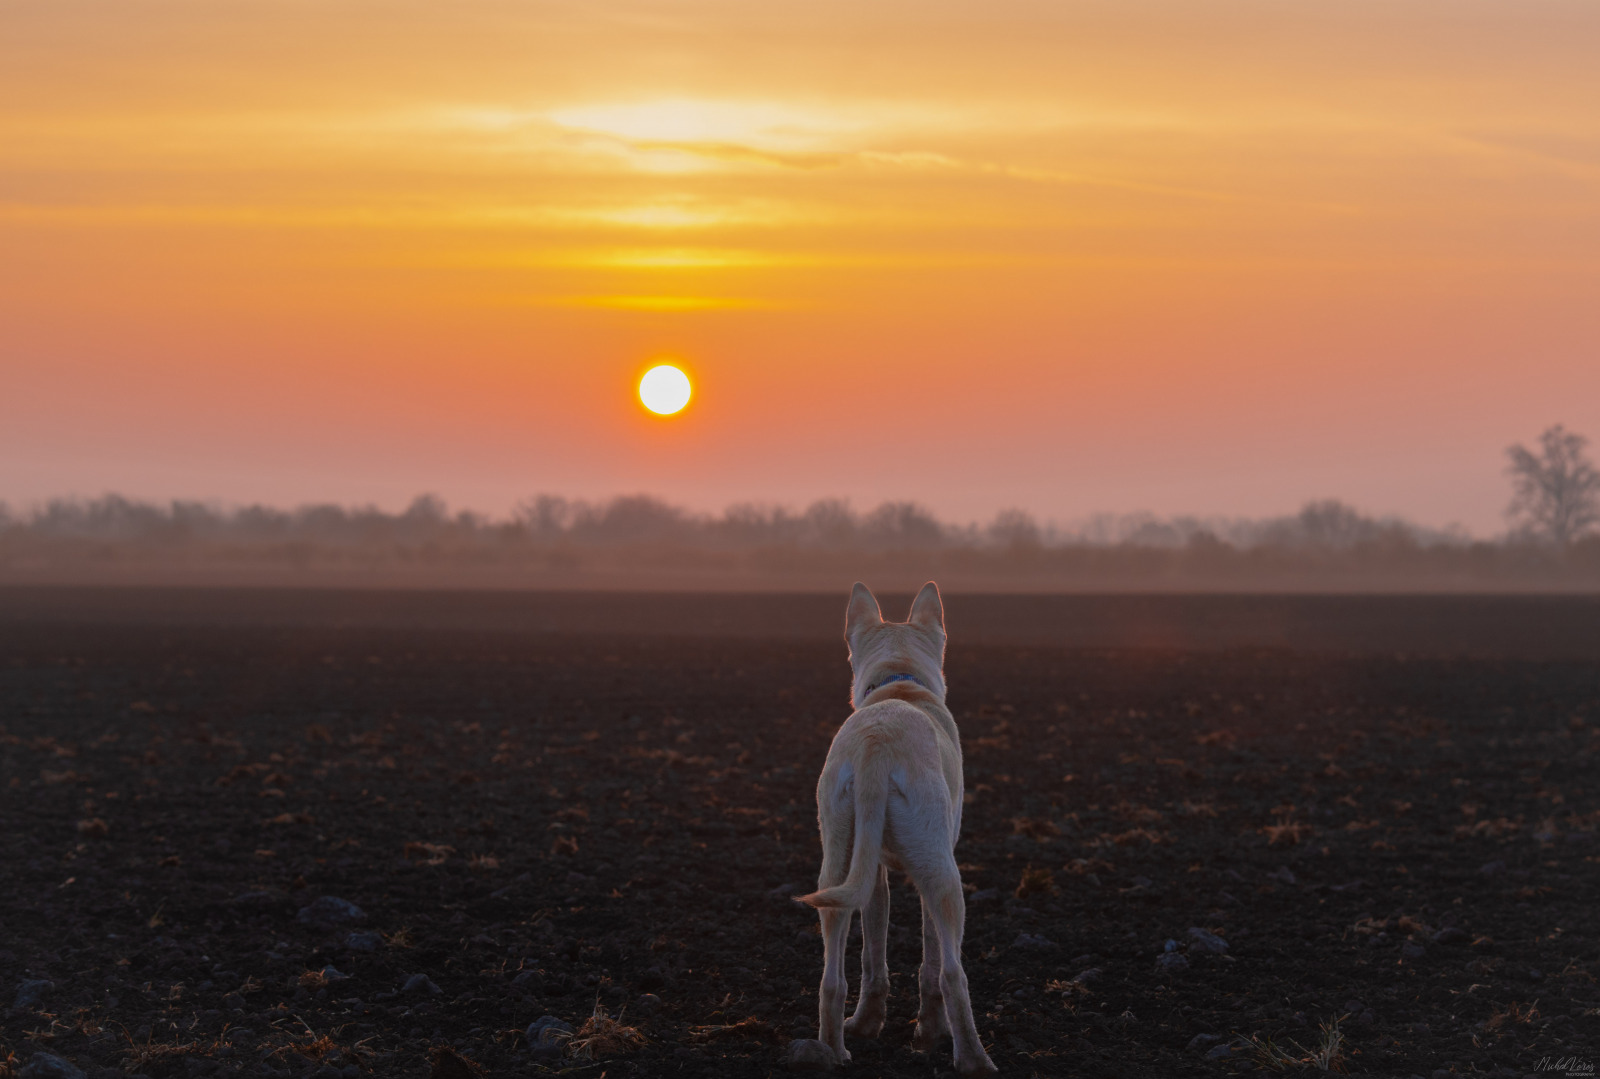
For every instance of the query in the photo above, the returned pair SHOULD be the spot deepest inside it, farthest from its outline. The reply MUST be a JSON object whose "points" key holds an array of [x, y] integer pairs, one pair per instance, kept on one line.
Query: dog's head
{"points": [[883, 652]]}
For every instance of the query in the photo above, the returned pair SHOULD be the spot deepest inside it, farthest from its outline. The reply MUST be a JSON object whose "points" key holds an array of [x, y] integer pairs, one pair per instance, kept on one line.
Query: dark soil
{"points": [[547, 824]]}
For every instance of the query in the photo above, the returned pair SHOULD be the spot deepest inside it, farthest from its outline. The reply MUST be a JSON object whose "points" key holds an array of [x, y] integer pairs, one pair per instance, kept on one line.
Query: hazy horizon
{"points": [[1097, 526]]}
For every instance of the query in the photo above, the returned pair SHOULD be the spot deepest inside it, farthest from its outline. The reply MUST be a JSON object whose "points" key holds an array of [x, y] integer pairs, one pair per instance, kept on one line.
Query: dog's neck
{"points": [[886, 679], [915, 692]]}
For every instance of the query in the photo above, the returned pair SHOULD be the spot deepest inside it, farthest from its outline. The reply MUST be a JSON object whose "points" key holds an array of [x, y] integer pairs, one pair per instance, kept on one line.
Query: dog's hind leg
{"points": [[871, 1008], [933, 1027], [834, 989], [941, 891]]}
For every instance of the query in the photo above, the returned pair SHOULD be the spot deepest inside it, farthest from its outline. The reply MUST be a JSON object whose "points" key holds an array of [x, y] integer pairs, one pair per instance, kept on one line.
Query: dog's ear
{"points": [[862, 612], [927, 609]]}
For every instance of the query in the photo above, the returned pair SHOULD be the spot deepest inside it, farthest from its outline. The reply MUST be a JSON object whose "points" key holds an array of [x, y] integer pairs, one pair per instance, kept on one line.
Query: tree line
{"points": [[547, 540]]}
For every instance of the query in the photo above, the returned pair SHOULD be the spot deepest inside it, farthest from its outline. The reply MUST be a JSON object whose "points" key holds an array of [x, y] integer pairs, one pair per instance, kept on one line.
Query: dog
{"points": [[890, 798]]}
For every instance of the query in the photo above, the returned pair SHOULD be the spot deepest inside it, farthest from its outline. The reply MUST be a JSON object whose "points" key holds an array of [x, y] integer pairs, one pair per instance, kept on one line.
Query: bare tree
{"points": [[1556, 493]]}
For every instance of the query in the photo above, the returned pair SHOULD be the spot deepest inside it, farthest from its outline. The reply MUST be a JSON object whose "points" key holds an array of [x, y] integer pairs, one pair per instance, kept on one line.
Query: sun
{"points": [[664, 389]]}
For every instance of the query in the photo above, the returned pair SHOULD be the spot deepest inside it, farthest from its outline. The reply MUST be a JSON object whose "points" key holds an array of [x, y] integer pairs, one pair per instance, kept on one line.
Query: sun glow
{"points": [[664, 389]]}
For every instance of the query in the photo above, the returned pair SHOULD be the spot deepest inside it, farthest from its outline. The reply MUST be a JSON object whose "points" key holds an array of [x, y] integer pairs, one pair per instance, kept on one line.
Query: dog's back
{"points": [[891, 758]]}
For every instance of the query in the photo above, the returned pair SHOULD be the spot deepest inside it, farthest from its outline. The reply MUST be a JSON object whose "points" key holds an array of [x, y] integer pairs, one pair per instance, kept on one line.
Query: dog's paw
{"points": [[980, 1064], [810, 1055]]}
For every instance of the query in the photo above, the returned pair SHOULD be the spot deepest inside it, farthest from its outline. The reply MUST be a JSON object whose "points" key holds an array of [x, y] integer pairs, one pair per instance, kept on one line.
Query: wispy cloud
{"points": [[660, 303]]}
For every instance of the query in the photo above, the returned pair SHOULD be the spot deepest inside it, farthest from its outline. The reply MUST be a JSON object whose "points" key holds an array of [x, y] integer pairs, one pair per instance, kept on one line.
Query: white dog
{"points": [[890, 798]]}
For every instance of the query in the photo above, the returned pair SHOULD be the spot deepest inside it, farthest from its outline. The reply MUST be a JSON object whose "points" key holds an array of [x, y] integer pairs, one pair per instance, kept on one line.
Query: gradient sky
{"points": [[1074, 257]]}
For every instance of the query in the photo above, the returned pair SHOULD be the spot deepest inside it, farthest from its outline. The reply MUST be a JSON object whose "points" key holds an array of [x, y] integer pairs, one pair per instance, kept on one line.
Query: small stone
{"points": [[1200, 1041], [525, 978], [1489, 869], [363, 940], [1282, 873], [982, 895], [547, 1038], [1172, 962], [1354, 1007], [1412, 951], [254, 899], [421, 983], [1452, 935], [50, 1066], [1206, 941], [647, 1004], [809, 1055], [548, 1030], [31, 994], [1029, 942], [331, 973], [1087, 977], [1219, 1052], [329, 911], [785, 892]]}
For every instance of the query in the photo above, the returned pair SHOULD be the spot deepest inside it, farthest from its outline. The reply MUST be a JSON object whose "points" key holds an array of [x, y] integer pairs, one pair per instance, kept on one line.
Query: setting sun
{"points": [[664, 389]]}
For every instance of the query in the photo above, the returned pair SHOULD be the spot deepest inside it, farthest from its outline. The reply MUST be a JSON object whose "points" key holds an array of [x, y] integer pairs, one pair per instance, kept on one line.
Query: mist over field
{"points": [[644, 542]]}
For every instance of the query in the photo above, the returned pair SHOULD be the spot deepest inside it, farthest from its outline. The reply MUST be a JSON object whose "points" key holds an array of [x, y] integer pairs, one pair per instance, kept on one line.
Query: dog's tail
{"points": [[872, 800]]}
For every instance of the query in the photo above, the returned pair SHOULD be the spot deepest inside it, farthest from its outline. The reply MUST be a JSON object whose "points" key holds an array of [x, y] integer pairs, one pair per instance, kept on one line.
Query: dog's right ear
{"points": [[862, 612]]}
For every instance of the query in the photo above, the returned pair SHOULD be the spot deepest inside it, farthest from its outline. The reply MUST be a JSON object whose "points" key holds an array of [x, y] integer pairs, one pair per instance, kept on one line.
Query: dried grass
{"points": [[1327, 1056], [1492, 829], [1289, 832], [1515, 1015], [1134, 836], [602, 1036], [751, 1029], [428, 853], [1034, 828], [1138, 813], [1036, 881]]}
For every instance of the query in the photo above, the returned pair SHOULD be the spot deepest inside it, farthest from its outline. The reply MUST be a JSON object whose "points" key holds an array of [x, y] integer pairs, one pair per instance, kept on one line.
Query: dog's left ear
{"points": [[927, 609]]}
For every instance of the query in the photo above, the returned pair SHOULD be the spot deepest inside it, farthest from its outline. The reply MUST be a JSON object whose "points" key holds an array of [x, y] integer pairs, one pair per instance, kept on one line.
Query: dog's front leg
{"points": [[933, 1025], [830, 997], [871, 1007]]}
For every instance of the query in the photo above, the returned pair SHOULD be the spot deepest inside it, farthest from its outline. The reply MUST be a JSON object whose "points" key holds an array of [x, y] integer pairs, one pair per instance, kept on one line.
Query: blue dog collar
{"points": [[892, 678]]}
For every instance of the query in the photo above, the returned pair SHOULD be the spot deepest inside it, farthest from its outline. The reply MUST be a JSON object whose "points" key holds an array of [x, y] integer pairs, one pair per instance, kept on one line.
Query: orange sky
{"points": [[1214, 258]]}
